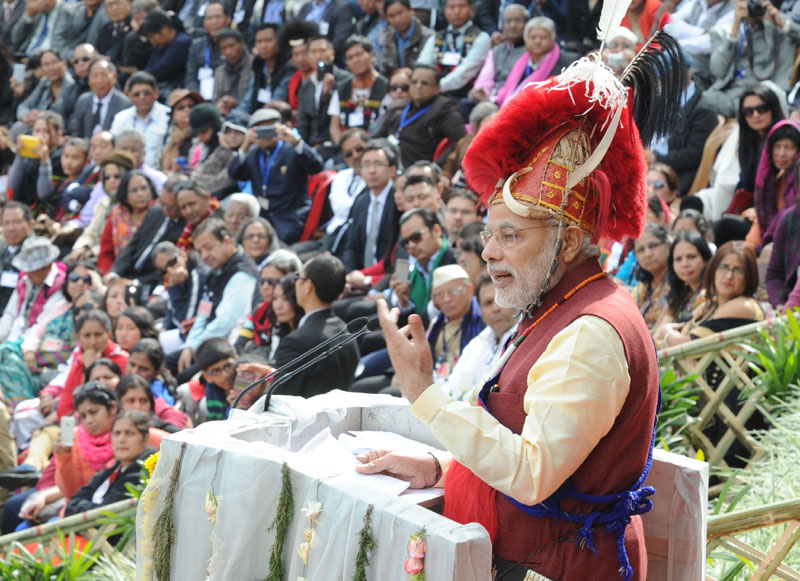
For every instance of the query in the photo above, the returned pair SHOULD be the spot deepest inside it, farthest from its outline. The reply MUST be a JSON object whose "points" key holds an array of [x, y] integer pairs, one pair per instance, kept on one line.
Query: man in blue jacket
{"points": [[277, 168]]}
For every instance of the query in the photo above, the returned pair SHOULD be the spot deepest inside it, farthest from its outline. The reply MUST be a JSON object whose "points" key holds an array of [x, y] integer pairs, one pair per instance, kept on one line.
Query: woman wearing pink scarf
{"points": [[542, 60], [91, 451]]}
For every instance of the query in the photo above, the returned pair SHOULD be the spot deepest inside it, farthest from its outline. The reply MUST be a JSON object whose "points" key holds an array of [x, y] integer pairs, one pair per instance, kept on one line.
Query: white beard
{"points": [[527, 284]]}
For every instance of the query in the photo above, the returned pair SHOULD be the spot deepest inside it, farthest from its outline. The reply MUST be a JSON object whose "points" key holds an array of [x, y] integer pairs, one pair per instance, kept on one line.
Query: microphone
{"points": [[353, 326], [372, 325]]}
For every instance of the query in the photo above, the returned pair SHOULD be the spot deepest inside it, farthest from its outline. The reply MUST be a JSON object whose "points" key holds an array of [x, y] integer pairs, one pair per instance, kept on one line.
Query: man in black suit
{"points": [[319, 283], [16, 220], [95, 111], [162, 222], [373, 216], [313, 121], [112, 35]]}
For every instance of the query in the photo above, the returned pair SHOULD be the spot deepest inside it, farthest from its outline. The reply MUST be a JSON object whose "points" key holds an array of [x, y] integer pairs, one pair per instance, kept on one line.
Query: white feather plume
{"points": [[611, 18]]}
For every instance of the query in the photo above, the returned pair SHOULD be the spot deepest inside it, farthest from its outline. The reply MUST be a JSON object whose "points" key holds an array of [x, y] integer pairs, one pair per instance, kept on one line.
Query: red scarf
{"points": [[185, 240], [96, 450]]}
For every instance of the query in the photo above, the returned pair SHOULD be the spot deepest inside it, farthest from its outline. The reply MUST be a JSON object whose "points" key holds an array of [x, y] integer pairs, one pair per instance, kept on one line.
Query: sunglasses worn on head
{"points": [[761, 109]]}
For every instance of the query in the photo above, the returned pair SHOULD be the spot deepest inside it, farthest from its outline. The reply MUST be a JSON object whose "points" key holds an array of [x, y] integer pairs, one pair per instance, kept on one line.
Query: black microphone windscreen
{"points": [[373, 324], [356, 325]]}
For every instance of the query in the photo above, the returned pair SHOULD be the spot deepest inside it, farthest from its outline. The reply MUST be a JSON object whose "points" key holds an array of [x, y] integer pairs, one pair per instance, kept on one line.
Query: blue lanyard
{"points": [[208, 57], [265, 171], [404, 122]]}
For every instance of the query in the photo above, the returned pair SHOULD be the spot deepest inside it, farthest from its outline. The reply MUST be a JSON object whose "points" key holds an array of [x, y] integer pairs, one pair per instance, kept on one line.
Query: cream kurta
{"points": [[575, 393]]}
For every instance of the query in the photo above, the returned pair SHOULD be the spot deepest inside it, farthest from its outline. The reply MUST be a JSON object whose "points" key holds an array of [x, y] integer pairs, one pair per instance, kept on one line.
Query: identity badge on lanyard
{"points": [[205, 75], [238, 14], [266, 167], [452, 56]]}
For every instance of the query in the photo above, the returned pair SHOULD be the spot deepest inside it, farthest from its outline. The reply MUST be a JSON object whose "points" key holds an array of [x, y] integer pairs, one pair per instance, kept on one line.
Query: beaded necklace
{"points": [[501, 363]]}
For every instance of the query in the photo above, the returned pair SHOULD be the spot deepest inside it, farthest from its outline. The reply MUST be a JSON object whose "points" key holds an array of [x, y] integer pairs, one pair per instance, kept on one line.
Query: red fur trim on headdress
{"points": [[509, 142]]}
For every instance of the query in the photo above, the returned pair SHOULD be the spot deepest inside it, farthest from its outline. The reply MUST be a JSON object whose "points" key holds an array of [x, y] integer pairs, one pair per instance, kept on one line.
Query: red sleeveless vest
{"points": [[617, 461]]}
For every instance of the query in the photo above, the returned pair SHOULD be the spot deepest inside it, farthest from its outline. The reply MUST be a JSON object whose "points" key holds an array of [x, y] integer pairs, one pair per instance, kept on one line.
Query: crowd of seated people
{"points": [[195, 194]]}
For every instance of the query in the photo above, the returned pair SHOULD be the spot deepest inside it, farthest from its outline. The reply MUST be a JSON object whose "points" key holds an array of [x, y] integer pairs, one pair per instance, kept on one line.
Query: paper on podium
{"points": [[338, 463]]}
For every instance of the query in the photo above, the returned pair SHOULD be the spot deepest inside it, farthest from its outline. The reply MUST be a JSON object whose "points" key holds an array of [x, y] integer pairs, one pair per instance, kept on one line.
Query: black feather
{"points": [[657, 75]]}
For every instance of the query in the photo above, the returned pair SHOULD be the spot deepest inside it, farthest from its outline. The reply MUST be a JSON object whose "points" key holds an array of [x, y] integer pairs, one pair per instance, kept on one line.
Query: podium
{"points": [[239, 463]]}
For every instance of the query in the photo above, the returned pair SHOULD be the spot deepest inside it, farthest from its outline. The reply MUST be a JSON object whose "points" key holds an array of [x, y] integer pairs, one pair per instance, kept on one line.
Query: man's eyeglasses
{"points": [[402, 87], [256, 236], [75, 277], [352, 152], [452, 293], [298, 276], [416, 238], [80, 59], [506, 236], [270, 281], [761, 109], [375, 164]]}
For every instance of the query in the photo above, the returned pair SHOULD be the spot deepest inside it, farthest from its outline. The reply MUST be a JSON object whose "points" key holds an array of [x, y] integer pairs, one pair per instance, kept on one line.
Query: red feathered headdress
{"points": [[569, 147]]}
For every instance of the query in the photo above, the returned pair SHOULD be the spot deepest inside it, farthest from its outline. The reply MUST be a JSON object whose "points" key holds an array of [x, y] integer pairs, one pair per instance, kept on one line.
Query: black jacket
{"points": [[313, 122], [82, 501], [335, 372], [420, 139], [150, 233], [687, 138], [356, 236]]}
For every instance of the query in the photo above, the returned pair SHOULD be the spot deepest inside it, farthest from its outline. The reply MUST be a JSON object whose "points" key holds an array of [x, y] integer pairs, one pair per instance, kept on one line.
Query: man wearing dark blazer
{"points": [[314, 96], [278, 166], [98, 107], [163, 222], [373, 207], [319, 283]]}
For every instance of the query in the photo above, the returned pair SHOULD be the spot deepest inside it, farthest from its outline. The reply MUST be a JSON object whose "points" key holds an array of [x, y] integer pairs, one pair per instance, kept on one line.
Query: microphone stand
{"points": [[372, 325], [354, 326]]}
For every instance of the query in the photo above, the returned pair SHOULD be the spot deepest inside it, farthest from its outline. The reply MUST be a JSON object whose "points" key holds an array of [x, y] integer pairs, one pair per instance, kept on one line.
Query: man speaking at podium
{"points": [[552, 460]]}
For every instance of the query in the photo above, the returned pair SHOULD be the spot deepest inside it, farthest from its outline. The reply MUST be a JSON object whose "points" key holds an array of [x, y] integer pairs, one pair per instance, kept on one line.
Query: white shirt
{"points": [[693, 19], [344, 189], [154, 128]]}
